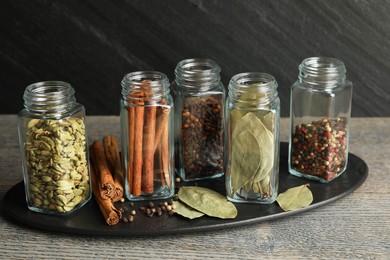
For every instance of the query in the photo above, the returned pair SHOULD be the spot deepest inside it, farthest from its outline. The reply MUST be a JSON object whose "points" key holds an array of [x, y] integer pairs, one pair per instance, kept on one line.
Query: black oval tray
{"points": [[89, 221]]}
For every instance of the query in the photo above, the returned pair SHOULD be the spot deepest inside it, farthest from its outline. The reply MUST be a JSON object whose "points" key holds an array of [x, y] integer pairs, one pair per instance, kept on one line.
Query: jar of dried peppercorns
{"points": [[199, 99], [53, 147], [320, 112], [252, 134]]}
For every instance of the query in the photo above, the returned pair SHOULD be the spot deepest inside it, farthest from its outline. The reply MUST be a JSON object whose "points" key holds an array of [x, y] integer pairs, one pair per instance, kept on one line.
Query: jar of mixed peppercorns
{"points": [[320, 112], [199, 99]]}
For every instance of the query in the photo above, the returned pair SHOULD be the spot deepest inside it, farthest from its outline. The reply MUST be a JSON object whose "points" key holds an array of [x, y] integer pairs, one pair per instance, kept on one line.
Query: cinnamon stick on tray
{"points": [[110, 213], [110, 144], [106, 180]]}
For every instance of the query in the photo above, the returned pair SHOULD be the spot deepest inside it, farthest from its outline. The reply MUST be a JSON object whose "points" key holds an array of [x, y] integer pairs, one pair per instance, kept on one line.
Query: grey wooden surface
{"points": [[355, 227], [92, 44]]}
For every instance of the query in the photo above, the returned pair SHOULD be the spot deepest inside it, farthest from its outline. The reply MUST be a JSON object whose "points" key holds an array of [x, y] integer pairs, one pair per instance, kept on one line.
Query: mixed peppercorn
{"points": [[319, 148]]}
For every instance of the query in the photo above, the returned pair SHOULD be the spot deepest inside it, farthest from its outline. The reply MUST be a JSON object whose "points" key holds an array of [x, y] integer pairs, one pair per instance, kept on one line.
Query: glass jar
{"points": [[320, 111], [252, 152], [53, 147], [199, 99], [147, 136]]}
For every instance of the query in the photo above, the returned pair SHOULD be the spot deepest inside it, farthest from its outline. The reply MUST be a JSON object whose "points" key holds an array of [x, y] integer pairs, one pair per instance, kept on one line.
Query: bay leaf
{"points": [[186, 211], [235, 116], [251, 96], [268, 119], [250, 122], [295, 198], [265, 184], [207, 201], [266, 155], [245, 159], [262, 186]]}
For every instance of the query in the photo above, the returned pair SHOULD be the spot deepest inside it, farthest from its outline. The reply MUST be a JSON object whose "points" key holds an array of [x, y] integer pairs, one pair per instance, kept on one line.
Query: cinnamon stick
{"points": [[162, 120], [130, 160], [148, 149], [159, 165], [164, 154], [110, 144], [161, 144], [106, 180], [138, 139], [107, 152], [110, 213]]}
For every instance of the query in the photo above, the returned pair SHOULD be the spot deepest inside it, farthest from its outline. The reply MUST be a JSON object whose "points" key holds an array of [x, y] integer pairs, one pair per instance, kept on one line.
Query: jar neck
{"points": [[144, 87], [253, 89], [322, 72], [49, 98], [197, 74]]}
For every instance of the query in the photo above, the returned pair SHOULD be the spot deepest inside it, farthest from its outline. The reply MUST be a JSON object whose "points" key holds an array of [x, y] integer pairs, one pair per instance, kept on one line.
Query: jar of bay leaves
{"points": [[147, 136], [252, 157], [199, 99], [320, 112], [53, 147]]}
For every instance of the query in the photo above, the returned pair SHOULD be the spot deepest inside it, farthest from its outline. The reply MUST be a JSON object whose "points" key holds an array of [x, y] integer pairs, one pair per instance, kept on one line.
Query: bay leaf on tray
{"points": [[295, 198], [207, 201], [186, 211]]}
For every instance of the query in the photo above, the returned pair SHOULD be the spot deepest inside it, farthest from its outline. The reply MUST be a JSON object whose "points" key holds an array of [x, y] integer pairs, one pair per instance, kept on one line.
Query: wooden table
{"points": [[356, 226]]}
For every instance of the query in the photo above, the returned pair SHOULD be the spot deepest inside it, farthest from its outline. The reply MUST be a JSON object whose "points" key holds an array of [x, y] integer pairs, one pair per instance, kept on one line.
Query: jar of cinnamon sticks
{"points": [[147, 136], [53, 148], [199, 99]]}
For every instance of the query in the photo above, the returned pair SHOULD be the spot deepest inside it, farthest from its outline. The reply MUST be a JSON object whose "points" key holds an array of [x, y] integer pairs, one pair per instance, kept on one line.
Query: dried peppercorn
{"points": [[319, 148], [202, 137]]}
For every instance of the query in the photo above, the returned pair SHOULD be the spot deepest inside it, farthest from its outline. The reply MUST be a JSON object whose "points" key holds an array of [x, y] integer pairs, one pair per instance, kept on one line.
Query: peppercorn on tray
{"points": [[89, 221]]}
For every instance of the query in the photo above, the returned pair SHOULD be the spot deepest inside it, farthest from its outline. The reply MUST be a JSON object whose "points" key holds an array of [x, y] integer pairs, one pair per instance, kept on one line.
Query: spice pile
{"points": [[202, 137], [319, 148]]}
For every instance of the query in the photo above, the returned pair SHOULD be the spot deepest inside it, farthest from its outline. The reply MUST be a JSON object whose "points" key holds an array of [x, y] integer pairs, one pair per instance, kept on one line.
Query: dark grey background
{"points": [[92, 44]]}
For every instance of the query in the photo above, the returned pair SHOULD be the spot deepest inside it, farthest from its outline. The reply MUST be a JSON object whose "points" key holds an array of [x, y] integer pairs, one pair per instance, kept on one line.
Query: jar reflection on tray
{"points": [[53, 148]]}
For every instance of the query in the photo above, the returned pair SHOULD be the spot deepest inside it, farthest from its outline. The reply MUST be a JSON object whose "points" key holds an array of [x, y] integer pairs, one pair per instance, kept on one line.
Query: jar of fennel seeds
{"points": [[199, 99], [53, 147], [252, 152], [147, 136], [320, 113]]}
